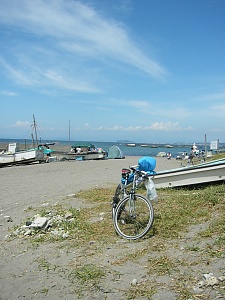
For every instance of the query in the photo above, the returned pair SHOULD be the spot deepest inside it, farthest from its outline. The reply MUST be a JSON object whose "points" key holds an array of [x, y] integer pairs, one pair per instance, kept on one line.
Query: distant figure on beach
{"points": [[194, 148], [191, 155], [78, 150], [169, 155]]}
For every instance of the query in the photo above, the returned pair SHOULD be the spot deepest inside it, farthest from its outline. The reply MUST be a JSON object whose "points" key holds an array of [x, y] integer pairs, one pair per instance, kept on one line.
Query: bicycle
{"points": [[132, 214]]}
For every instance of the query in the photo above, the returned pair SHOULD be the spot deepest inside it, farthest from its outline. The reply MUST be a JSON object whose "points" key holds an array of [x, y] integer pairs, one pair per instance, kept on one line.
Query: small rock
{"points": [[221, 278], [39, 222], [211, 281], [207, 275], [134, 282], [68, 215], [65, 235], [28, 232], [71, 195]]}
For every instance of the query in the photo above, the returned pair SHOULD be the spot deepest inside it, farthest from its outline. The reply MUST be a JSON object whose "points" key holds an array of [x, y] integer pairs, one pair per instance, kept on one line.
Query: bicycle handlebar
{"points": [[142, 173]]}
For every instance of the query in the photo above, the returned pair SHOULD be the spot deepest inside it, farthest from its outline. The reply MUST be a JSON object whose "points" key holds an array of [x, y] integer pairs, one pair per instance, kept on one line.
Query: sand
{"points": [[25, 186], [30, 185], [24, 270]]}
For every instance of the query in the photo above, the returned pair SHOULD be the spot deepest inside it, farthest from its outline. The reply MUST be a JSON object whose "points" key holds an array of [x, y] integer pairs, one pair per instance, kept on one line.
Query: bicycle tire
{"points": [[136, 223]]}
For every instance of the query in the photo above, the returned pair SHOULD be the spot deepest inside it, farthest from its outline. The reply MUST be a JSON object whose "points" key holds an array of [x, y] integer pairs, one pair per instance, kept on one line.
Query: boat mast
{"points": [[35, 130], [69, 132]]}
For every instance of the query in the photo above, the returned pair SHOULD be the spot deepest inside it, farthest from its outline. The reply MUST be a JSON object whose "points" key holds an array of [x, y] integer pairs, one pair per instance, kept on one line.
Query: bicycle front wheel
{"points": [[134, 216]]}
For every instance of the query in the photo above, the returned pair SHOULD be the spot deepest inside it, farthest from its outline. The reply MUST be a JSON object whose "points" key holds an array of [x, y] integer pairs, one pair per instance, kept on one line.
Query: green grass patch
{"points": [[87, 274]]}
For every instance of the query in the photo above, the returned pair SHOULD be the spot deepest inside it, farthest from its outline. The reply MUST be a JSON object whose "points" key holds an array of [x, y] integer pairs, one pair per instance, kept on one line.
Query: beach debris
{"points": [[210, 280], [52, 223]]}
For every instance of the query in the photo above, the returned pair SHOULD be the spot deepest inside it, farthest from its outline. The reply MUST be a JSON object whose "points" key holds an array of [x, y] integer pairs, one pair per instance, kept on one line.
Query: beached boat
{"points": [[161, 154], [195, 174], [84, 151], [14, 156]]}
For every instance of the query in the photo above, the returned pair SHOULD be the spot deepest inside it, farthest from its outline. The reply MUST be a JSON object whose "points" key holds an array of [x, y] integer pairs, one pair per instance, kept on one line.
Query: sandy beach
{"points": [[25, 186], [30, 185], [42, 272]]}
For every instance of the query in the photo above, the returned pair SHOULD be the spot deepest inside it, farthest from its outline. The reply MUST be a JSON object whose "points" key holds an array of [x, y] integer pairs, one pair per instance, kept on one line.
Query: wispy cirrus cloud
{"points": [[156, 109], [77, 36], [8, 93]]}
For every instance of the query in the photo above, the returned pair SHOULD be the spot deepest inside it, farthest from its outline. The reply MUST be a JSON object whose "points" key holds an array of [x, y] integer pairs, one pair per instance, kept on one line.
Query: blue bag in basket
{"points": [[147, 164]]}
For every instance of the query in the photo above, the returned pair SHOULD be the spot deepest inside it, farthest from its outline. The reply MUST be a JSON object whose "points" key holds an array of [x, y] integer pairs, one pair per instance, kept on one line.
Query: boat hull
{"points": [[203, 173], [84, 156], [21, 157]]}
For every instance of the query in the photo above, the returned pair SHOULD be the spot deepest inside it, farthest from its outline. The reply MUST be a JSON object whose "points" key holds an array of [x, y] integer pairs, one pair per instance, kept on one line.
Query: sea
{"points": [[137, 150]]}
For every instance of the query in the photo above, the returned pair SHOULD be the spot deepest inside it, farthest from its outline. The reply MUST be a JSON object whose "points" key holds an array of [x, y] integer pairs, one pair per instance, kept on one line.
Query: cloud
{"points": [[8, 93], [156, 109], [217, 110], [167, 126], [77, 35], [20, 124], [156, 126]]}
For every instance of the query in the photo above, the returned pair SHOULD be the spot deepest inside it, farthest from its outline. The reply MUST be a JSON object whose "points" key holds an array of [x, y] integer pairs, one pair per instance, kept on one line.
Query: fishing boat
{"points": [[212, 171], [13, 155], [84, 151]]}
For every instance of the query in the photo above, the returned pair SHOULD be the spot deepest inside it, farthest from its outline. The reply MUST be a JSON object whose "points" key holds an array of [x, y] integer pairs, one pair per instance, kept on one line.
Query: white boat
{"points": [[84, 151], [161, 154], [15, 156], [202, 173]]}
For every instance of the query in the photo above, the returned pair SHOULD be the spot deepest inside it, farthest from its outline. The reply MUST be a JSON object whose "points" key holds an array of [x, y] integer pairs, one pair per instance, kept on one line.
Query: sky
{"points": [[150, 71]]}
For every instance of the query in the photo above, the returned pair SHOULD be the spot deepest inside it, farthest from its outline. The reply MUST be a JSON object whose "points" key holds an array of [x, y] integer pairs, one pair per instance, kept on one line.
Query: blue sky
{"points": [[142, 70]]}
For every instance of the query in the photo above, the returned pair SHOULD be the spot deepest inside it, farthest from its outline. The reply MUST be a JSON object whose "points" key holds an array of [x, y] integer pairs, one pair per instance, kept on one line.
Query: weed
{"points": [[86, 274]]}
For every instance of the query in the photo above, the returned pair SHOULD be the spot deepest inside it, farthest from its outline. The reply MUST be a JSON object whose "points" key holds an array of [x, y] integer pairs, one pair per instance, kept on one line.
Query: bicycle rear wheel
{"points": [[120, 193], [133, 217]]}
